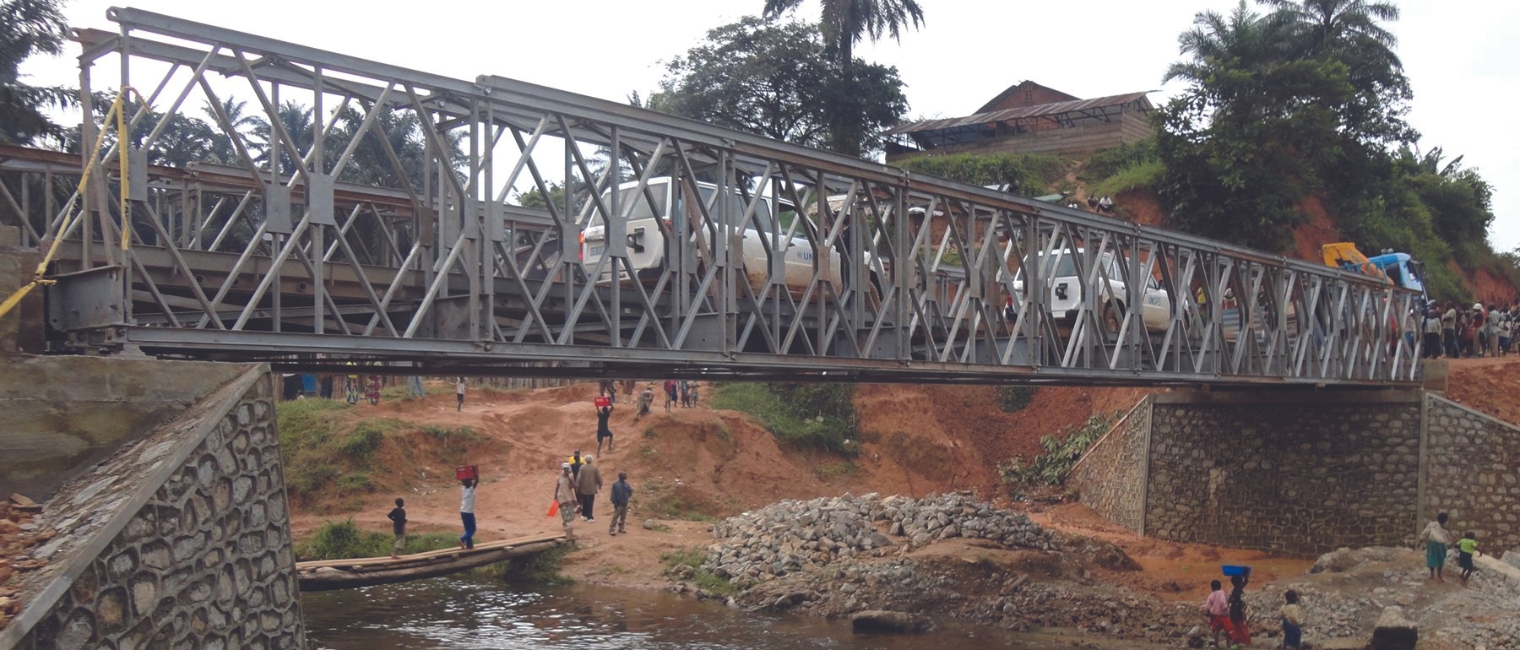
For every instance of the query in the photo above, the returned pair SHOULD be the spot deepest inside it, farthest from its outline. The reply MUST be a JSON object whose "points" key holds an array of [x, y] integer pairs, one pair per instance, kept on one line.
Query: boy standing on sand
{"points": [[1435, 538], [459, 395], [1466, 548], [398, 526], [1217, 608], [1292, 621]]}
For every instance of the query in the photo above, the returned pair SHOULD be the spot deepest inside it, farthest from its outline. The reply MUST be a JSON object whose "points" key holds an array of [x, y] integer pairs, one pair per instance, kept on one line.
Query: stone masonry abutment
{"points": [[1301, 473]]}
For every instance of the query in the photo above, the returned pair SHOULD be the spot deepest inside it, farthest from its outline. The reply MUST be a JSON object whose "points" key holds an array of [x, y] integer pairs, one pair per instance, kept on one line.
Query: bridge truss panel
{"points": [[375, 218]]}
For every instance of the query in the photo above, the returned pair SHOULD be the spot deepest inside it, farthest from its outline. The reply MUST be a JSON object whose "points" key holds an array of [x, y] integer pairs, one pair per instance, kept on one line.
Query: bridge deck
{"points": [[703, 251]]}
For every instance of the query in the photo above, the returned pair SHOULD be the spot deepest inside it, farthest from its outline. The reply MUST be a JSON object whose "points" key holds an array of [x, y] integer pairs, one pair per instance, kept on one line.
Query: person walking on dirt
{"points": [[621, 493], [603, 431], [1431, 328], [646, 400], [459, 387], [1239, 631], [467, 512], [670, 393], [564, 495], [607, 389], [1435, 538], [685, 387], [587, 483], [398, 526], [1217, 608], [575, 464], [372, 390], [1449, 329]]}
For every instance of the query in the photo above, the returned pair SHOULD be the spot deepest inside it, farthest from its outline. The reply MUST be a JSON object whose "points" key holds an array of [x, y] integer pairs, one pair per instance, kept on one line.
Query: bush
{"points": [[688, 562], [365, 438], [1144, 175], [1026, 174], [1013, 399], [537, 569], [342, 540], [808, 416], [1108, 162], [1051, 467]]}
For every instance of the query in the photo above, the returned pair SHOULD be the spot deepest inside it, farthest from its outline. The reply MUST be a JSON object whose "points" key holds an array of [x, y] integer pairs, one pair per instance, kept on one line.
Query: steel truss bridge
{"points": [[285, 254]]}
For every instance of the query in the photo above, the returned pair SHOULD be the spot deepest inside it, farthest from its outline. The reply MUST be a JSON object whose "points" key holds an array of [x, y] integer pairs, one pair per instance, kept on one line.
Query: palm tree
{"points": [[846, 22], [244, 124], [29, 27], [1242, 40]]}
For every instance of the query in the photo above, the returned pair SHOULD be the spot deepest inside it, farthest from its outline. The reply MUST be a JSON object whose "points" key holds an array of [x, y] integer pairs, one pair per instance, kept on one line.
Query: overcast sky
{"points": [[1462, 56]]}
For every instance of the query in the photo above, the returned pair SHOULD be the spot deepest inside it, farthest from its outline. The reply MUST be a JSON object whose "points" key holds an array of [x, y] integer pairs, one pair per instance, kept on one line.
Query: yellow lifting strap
{"points": [[119, 112]]}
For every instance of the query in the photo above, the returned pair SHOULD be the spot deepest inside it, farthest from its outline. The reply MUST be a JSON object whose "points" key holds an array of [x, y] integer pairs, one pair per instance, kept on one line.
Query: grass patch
{"points": [[1013, 399], [342, 540], [538, 569], [687, 565], [1051, 467], [832, 471], [459, 434], [1142, 175], [365, 437], [807, 416]]}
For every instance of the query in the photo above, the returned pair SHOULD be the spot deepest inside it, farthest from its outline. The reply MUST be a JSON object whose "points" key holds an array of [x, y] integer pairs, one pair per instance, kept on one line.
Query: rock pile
{"points": [[792, 535]]}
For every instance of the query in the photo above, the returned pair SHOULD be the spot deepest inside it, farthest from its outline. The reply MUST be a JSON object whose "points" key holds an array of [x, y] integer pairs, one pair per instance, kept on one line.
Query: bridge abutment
{"points": [[1301, 473]]}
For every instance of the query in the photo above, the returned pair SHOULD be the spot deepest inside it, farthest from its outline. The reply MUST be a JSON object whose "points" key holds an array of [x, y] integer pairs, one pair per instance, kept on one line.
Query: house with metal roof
{"points": [[1030, 118]]}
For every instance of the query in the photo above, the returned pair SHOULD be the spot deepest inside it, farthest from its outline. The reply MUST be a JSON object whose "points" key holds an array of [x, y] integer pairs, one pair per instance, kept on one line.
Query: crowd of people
{"points": [[1454, 331], [580, 478], [1226, 612]]}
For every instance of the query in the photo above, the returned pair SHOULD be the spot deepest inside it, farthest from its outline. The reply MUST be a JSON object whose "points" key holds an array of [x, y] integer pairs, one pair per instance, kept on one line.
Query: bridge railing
{"points": [[375, 216]]}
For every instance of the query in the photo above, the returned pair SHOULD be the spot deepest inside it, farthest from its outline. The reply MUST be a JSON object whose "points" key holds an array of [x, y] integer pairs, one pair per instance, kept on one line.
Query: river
{"points": [[464, 613]]}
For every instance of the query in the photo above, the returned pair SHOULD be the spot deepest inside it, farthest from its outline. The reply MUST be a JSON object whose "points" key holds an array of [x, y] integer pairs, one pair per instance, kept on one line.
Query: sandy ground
{"points": [[702, 463]]}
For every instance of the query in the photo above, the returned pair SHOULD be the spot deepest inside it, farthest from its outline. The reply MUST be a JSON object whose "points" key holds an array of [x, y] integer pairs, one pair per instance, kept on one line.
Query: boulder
{"points": [[1394, 631], [885, 622]]}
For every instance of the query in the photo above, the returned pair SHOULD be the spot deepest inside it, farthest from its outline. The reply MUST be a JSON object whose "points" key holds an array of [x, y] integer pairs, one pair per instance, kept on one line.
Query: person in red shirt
{"points": [[670, 393]]}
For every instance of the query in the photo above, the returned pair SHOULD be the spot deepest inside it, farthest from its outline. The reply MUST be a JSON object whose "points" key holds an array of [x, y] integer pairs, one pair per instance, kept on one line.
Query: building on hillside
{"points": [[1030, 118]]}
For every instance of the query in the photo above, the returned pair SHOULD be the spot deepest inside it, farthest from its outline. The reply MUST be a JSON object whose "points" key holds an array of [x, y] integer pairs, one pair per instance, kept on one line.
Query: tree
{"points": [[769, 79], [845, 22], [29, 27], [1243, 144]]}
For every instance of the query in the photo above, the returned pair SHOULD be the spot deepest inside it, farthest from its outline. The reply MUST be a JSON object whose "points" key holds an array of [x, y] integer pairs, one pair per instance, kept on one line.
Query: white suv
{"points": [[1059, 272]]}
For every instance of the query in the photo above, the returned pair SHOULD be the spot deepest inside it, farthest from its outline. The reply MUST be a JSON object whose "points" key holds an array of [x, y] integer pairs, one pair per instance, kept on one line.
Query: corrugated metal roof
{"points": [[1038, 110]]}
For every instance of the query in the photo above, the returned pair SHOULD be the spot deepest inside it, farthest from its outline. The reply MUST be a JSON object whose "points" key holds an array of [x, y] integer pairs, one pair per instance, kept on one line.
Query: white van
{"points": [[646, 241], [1059, 272]]}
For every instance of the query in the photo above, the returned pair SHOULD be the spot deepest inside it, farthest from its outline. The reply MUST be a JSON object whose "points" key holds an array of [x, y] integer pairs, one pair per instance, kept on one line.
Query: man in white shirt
{"points": [[459, 394], [467, 512]]}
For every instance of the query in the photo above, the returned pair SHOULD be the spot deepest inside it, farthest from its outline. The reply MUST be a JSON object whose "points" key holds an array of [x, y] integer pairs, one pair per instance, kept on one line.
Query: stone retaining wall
{"points": [[1473, 473], [181, 540], [1110, 478], [1285, 476]]}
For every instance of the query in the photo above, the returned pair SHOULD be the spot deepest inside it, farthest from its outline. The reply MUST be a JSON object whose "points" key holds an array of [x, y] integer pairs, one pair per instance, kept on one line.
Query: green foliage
{"points": [[28, 28], [455, 435], [365, 437], [356, 482], [687, 564], [342, 540], [772, 79], [1026, 174], [537, 569], [808, 416], [1146, 175], [1015, 398], [1051, 467], [1107, 162], [832, 471]]}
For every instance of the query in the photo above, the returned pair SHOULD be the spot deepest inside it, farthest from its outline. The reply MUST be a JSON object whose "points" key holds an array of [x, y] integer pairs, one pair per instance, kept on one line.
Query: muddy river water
{"points": [[467, 613]]}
